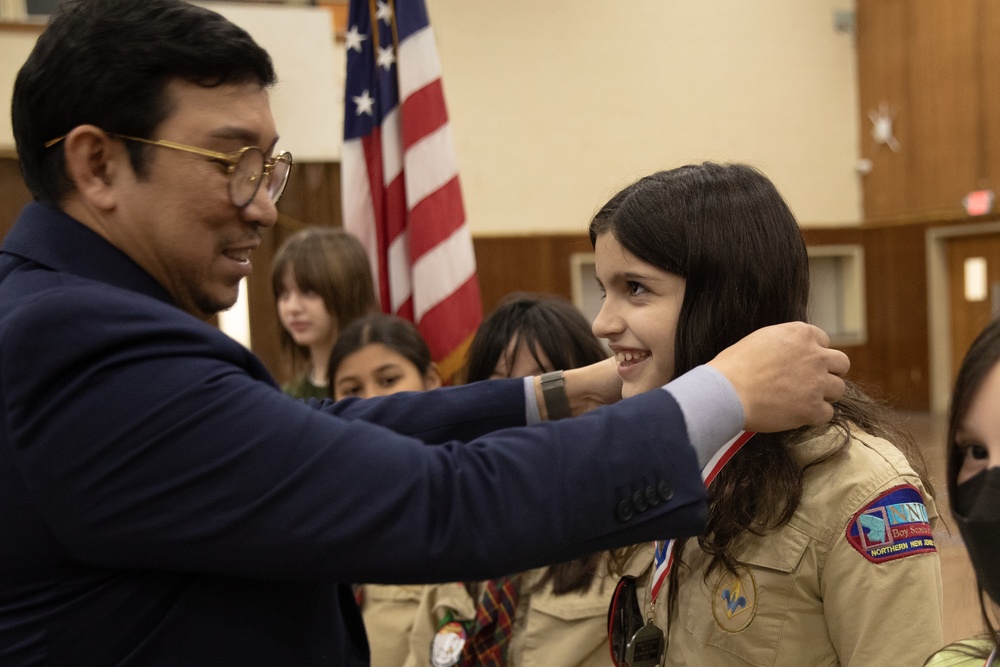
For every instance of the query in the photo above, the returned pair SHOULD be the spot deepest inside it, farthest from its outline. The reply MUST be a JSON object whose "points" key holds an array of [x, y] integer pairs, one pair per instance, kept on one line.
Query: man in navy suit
{"points": [[162, 502]]}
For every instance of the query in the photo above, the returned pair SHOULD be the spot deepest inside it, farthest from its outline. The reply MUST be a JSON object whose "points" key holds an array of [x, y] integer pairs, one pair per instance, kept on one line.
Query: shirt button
{"points": [[651, 496], [665, 491]]}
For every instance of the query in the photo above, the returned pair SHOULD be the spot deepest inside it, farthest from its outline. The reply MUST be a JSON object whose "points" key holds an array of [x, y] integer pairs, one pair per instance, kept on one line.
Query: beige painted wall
{"points": [[307, 102], [555, 104]]}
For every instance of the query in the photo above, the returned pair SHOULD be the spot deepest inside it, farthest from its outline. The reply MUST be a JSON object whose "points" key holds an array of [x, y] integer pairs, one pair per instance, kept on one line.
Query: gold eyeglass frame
{"points": [[229, 160]]}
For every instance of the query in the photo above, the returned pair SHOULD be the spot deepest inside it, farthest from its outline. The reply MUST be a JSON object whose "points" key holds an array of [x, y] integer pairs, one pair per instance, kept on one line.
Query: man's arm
{"points": [[785, 376]]}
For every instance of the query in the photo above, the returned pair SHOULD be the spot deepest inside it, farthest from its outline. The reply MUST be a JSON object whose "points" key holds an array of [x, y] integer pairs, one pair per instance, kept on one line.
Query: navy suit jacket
{"points": [[163, 503]]}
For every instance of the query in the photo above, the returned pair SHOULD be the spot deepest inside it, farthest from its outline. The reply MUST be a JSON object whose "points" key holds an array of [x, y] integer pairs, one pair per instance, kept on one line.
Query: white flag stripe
{"points": [[430, 163], [399, 271], [392, 147], [359, 214], [418, 62], [443, 270]]}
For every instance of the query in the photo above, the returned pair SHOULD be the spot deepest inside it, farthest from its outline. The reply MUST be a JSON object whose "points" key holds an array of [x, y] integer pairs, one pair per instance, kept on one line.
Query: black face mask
{"points": [[977, 511]]}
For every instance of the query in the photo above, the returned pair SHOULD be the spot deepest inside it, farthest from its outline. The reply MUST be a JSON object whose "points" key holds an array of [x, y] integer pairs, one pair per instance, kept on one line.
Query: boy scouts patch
{"points": [[894, 525], [734, 601]]}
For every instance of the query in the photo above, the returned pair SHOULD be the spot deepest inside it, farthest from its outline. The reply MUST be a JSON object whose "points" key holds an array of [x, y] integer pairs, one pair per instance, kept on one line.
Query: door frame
{"points": [[939, 307]]}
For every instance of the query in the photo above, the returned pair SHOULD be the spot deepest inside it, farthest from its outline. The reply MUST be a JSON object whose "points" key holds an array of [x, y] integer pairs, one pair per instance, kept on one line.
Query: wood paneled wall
{"points": [[13, 193], [893, 363], [935, 66], [537, 263]]}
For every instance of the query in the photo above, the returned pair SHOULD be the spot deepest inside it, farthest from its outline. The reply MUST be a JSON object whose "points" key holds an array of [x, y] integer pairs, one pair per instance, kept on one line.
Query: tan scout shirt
{"points": [[806, 595], [388, 612], [549, 630]]}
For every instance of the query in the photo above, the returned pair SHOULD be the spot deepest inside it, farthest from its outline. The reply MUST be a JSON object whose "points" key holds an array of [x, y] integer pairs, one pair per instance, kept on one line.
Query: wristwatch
{"points": [[554, 394]]}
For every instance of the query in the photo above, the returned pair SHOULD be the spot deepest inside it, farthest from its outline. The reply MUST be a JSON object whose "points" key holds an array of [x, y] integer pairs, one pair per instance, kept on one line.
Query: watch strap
{"points": [[554, 395]]}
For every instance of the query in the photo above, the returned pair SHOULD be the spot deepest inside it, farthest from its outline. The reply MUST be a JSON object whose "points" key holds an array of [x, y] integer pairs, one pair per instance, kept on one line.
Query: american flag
{"points": [[399, 178]]}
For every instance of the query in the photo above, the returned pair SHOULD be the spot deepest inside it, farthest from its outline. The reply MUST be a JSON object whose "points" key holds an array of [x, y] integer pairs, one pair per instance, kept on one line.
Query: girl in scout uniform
{"points": [[378, 355], [558, 613], [819, 548], [974, 486]]}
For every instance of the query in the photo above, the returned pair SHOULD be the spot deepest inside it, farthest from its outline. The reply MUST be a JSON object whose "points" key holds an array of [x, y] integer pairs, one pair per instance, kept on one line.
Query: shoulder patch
{"points": [[894, 525]]}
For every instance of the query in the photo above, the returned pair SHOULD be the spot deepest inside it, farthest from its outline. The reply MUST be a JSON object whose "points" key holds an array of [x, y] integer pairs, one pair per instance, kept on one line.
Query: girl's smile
{"points": [[639, 316]]}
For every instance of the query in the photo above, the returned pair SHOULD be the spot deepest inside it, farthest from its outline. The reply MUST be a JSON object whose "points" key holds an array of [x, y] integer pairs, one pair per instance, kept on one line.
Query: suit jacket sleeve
{"points": [[449, 413], [144, 438]]}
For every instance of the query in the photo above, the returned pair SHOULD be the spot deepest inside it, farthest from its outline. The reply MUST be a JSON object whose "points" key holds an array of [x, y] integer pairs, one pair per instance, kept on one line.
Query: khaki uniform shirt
{"points": [[388, 612], [812, 592], [549, 630]]}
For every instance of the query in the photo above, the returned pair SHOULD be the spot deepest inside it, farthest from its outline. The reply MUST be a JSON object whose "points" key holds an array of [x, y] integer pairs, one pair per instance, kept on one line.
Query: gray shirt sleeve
{"points": [[531, 413], [712, 409]]}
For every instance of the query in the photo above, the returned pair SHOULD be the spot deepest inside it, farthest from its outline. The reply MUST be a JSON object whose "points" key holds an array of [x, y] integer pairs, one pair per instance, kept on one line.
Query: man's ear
{"points": [[95, 163]]}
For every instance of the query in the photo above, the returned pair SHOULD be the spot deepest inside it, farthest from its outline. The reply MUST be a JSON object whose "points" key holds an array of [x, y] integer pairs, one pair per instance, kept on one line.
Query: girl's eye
{"points": [[389, 380], [635, 288], [975, 451]]}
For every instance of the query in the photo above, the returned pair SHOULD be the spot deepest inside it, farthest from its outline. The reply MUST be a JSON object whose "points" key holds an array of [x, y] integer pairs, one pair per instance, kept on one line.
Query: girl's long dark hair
{"points": [[727, 231]]}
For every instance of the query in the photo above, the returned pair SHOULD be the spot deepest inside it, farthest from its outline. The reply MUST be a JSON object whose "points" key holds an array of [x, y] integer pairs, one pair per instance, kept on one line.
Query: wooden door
{"points": [[968, 318]]}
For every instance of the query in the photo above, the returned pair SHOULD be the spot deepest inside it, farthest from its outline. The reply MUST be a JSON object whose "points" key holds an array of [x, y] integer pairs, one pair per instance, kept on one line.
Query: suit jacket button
{"points": [[663, 488], [651, 496], [624, 511], [639, 501]]}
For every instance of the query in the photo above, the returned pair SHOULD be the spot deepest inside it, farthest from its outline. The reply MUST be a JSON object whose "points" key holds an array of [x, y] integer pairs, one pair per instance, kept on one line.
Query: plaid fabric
{"points": [[488, 643]]}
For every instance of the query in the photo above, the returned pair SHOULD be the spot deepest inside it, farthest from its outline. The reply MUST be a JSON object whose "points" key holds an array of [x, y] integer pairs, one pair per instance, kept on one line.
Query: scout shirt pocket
{"points": [[743, 613], [388, 613], [568, 629]]}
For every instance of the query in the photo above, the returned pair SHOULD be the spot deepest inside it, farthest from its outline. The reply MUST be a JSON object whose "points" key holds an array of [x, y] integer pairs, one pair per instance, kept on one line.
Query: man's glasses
{"points": [[247, 168]]}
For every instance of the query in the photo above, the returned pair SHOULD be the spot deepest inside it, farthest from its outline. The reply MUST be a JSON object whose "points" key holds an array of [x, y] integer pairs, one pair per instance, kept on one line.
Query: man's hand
{"points": [[785, 375]]}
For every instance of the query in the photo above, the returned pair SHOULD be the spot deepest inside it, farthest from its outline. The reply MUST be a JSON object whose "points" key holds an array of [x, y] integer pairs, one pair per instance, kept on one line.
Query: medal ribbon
{"points": [[663, 557]]}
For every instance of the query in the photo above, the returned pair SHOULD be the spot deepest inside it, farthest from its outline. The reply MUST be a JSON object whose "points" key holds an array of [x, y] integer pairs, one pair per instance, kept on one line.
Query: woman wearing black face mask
{"points": [[974, 485]]}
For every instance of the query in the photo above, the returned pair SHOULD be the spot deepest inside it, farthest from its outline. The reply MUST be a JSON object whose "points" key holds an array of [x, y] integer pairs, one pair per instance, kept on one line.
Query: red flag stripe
{"points": [[441, 271], [438, 324], [437, 216], [424, 112]]}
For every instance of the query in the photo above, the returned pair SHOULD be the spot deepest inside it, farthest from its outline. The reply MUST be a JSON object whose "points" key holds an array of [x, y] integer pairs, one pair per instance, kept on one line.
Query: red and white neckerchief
{"points": [[663, 556]]}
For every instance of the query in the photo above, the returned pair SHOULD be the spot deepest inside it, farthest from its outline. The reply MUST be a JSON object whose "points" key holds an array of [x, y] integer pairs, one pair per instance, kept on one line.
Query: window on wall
{"points": [[837, 292]]}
